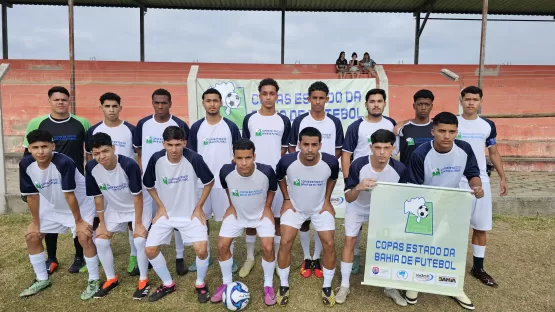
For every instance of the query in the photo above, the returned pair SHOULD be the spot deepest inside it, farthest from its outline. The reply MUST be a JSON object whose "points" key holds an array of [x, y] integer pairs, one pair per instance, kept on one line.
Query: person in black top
{"points": [[353, 65], [341, 65]]}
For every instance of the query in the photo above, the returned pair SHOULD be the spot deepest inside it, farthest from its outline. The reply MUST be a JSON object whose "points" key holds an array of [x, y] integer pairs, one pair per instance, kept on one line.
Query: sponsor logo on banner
{"points": [[420, 216], [424, 278], [447, 280], [403, 275], [381, 272]]}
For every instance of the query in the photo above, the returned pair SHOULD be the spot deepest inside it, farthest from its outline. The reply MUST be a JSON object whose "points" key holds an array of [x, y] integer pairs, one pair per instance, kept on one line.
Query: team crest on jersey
{"points": [[410, 141], [307, 183], [420, 216], [108, 187], [436, 172], [45, 184], [297, 182], [167, 180], [205, 141], [234, 104], [103, 187], [258, 132], [150, 140], [235, 193], [369, 138], [459, 136]]}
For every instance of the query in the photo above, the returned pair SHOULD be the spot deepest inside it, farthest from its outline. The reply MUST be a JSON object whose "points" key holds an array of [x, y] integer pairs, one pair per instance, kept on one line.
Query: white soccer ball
{"points": [[236, 296], [422, 211], [232, 100]]}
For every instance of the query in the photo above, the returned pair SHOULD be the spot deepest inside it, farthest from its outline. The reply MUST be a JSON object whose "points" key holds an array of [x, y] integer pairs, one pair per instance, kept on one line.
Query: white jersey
{"points": [[307, 185], [248, 194], [214, 143], [357, 138], [122, 137], [176, 184], [269, 134], [330, 128], [479, 133], [117, 186]]}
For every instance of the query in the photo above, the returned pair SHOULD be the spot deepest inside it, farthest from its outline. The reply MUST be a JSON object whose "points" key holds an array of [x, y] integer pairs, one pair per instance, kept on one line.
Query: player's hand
{"points": [[160, 213], [230, 211], [478, 191], [285, 206], [503, 187], [83, 227], [101, 230], [140, 230], [366, 184], [399, 125], [328, 207], [268, 214], [199, 214]]}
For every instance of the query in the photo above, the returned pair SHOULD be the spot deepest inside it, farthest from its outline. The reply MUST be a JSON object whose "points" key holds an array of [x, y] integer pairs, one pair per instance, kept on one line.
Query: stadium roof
{"points": [[502, 7]]}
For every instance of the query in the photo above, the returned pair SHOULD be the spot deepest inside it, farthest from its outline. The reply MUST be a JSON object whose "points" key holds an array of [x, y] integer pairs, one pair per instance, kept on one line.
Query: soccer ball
{"points": [[236, 296], [422, 211], [232, 100]]}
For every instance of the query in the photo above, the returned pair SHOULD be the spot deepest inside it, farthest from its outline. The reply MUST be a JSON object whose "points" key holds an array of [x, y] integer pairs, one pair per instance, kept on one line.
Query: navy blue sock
{"points": [[478, 264]]}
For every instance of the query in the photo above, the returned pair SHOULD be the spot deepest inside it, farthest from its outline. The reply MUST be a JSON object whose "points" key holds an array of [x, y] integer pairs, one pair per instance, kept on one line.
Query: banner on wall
{"points": [[418, 238]]}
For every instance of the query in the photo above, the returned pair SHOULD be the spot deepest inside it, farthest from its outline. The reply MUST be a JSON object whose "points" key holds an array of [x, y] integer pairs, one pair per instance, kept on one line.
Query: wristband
{"points": [[99, 211], [286, 199]]}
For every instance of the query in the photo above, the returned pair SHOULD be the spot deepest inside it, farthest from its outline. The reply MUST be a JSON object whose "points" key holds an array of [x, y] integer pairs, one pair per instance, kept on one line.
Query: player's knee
{"points": [[202, 252], [33, 238], [223, 247], [84, 240], [104, 236], [139, 243], [152, 252], [350, 241], [267, 249], [328, 244]]}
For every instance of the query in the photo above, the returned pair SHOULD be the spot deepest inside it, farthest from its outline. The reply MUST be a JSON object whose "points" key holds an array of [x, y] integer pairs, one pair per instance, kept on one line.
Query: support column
{"points": [[142, 12], [4, 31], [417, 38], [483, 45], [282, 36], [71, 57]]}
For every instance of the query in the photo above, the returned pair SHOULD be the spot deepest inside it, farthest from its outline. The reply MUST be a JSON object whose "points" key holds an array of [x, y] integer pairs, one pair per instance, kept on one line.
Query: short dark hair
{"points": [[472, 90], [383, 136], [268, 82], [310, 132], [100, 139], [423, 94], [318, 86], [162, 92], [211, 91], [39, 136], [446, 118], [58, 89], [375, 91], [354, 54], [243, 145], [174, 133], [110, 96]]}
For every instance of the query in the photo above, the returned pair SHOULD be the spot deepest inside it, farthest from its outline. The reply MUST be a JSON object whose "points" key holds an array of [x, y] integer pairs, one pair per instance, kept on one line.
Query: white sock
{"points": [[250, 239], [202, 268], [161, 269], [179, 246], [317, 246], [328, 277], [268, 268], [133, 251], [142, 260], [92, 267], [357, 244], [277, 241], [478, 251], [305, 243], [346, 274], [106, 257], [38, 266], [284, 276], [226, 267]]}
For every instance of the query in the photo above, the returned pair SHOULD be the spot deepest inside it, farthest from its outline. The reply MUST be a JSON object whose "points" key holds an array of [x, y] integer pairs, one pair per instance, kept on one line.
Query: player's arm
{"points": [[338, 153], [472, 172], [497, 162], [207, 178], [199, 212], [330, 185], [137, 138], [99, 205], [272, 189], [349, 146], [139, 157], [397, 128], [33, 202], [294, 136], [161, 208], [30, 192], [345, 164], [93, 190]]}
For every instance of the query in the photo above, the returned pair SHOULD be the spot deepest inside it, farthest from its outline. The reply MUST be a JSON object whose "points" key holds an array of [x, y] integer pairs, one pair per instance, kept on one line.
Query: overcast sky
{"points": [[40, 32]]}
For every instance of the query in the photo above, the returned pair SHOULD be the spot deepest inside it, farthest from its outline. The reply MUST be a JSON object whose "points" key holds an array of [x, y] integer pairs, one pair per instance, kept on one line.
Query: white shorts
{"points": [[232, 227], [60, 223], [191, 231], [481, 218], [277, 203], [216, 204], [321, 222], [353, 221], [117, 222]]}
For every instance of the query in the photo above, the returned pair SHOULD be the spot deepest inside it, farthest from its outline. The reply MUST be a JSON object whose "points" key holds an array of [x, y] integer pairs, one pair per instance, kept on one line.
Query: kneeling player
{"points": [[117, 179], [251, 188], [65, 206], [171, 179], [363, 174], [312, 175]]}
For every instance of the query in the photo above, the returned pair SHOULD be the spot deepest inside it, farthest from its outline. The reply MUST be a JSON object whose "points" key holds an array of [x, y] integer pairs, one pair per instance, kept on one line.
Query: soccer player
{"points": [[171, 178], [147, 140], [69, 133], [121, 134], [332, 140], [312, 175], [357, 139], [363, 174], [115, 182], [213, 137], [269, 131], [62, 205], [480, 133], [444, 151], [250, 187]]}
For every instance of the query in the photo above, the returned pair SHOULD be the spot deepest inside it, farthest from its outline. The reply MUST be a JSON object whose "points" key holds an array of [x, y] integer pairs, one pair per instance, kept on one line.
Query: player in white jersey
{"points": [[250, 187], [363, 174], [172, 177], [357, 140], [332, 140], [62, 205], [443, 162], [115, 183], [480, 133], [121, 133], [269, 131], [212, 137], [147, 140], [311, 177]]}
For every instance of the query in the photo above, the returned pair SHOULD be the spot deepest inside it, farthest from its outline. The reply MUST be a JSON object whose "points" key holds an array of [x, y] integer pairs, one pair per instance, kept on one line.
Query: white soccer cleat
{"points": [[247, 267], [341, 294], [395, 295], [464, 302], [411, 297]]}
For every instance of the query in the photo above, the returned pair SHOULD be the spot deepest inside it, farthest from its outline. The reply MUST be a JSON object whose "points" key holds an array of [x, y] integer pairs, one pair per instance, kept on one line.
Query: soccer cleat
{"points": [[342, 293], [180, 267], [193, 267], [328, 297], [395, 296], [77, 265], [217, 297], [411, 297], [247, 267], [306, 268], [356, 265], [133, 267], [92, 288], [51, 265], [317, 268], [203, 295], [161, 292], [269, 296], [282, 297], [142, 290], [35, 288], [464, 302], [483, 277], [107, 287]]}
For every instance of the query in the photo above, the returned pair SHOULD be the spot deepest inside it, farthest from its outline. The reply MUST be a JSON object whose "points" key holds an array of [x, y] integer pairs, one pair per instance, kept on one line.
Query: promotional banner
{"points": [[418, 238]]}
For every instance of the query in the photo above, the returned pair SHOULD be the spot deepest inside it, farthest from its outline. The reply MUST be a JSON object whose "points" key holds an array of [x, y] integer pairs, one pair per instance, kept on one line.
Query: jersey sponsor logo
{"points": [[168, 181], [447, 280], [420, 216], [269, 132], [239, 193], [436, 172], [208, 141], [410, 141], [65, 138], [150, 140], [119, 143], [308, 183], [369, 138], [425, 278], [45, 184], [327, 136], [108, 187], [459, 136], [471, 136]]}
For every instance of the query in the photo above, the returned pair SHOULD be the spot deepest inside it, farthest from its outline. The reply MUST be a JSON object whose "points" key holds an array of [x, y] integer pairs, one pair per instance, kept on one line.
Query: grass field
{"points": [[520, 256]]}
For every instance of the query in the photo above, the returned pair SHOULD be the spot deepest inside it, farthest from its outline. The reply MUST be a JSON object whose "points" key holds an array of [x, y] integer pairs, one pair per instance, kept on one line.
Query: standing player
{"points": [[171, 178], [312, 176], [480, 133], [269, 131], [213, 137], [357, 140], [69, 133], [147, 140], [363, 174], [62, 205], [332, 140], [115, 182], [121, 134], [250, 187], [444, 151]]}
